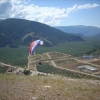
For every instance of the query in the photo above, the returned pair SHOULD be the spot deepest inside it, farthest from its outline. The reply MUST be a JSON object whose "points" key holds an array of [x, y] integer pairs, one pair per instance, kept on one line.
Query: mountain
{"points": [[20, 31], [80, 29], [97, 36]]}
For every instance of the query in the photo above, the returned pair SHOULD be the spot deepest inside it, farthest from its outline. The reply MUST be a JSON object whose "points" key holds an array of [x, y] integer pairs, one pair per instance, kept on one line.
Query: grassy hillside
{"points": [[16, 87], [15, 32]]}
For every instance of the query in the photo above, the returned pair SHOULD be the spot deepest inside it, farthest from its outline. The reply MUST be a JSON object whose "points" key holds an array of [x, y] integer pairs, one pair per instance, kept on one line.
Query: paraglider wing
{"points": [[41, 42], [34, 45]]}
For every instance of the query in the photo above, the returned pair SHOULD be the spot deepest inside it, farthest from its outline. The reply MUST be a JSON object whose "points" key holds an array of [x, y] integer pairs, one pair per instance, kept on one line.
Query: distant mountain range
{"points": [[80, 30], [18, 31]]}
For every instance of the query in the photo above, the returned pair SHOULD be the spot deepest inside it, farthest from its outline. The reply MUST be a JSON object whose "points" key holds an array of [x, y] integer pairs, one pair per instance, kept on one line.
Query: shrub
{"points": [[26, 72]]}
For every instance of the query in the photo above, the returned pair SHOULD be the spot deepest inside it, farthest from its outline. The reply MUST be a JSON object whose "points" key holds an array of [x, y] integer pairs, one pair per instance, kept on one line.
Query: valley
{"points": [[49, 50]]}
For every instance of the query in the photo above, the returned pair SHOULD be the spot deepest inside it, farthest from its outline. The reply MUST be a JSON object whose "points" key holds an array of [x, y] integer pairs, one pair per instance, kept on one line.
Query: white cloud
{"points": [[87, 6], [47, 15]]}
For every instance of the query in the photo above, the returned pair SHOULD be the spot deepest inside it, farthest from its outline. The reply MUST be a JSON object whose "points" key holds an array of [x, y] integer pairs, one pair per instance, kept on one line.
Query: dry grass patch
{"points": [[96, 62], [16, 87], [37, 57], [57, 55], [69, 63]]}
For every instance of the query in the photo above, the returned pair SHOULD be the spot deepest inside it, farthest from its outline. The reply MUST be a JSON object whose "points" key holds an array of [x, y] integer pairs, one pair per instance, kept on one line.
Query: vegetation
{"points": [[14, 56], [3, 69], [14, 32], [72, 48], [26, 72], [19, 56], [15, 87], [63, 72]]}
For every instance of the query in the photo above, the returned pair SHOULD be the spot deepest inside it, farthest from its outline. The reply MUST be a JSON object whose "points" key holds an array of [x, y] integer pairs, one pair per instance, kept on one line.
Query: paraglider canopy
{"points": [[34, 45]]}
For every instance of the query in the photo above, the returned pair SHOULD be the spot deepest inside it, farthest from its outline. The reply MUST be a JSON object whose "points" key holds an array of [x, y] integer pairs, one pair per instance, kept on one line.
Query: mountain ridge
{"points": [[13, 30], [87, 31]]}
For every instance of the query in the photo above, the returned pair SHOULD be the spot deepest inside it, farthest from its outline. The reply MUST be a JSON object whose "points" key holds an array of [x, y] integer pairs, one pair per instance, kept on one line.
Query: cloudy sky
{"points": [[53, 12]]}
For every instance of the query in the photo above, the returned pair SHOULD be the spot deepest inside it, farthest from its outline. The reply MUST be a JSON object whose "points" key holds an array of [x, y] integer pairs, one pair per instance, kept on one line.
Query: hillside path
{"points": [[6, 64]]}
